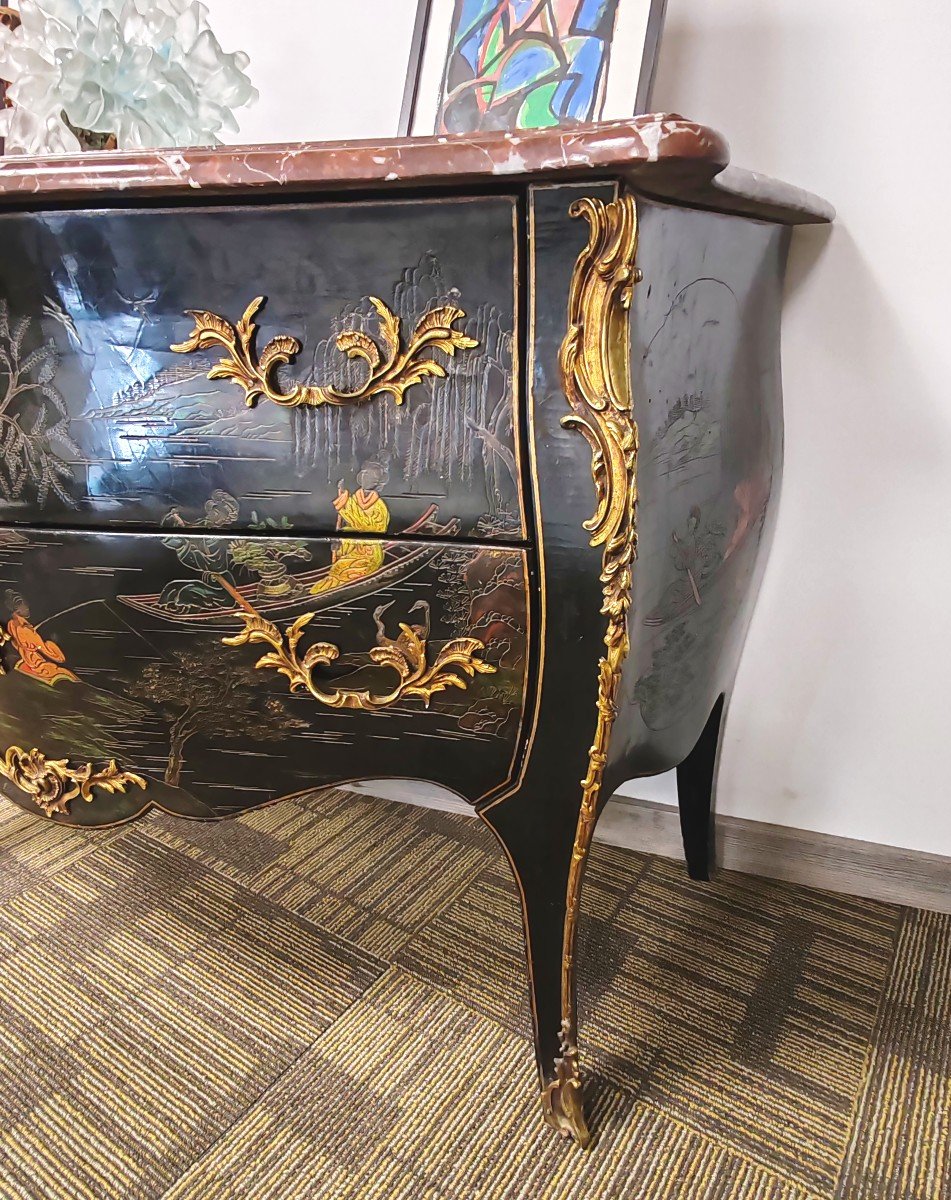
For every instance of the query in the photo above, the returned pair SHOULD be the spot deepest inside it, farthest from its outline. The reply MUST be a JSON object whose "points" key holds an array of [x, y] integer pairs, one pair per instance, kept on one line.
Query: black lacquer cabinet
{"points": [[411, 460]]}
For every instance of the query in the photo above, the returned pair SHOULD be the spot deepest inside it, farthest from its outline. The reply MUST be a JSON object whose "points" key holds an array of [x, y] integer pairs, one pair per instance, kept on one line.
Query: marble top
{"points": [[662, 155]]}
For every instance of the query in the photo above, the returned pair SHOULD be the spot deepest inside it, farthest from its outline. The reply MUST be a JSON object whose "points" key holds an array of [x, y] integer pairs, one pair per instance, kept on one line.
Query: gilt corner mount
{"points": [[53, 784], [595, 371]]}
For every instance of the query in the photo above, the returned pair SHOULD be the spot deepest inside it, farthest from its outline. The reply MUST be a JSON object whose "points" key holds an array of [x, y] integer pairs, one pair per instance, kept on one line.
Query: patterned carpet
{"points": [[326, 999]]}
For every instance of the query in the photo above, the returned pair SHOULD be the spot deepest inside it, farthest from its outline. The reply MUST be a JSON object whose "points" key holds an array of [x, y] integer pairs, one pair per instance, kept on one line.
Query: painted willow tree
{"points": [[36, 448], [203, 699]]}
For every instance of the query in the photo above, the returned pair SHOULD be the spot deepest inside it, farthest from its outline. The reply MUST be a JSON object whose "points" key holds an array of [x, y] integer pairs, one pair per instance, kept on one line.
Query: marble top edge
{"points": [[665, 151]]}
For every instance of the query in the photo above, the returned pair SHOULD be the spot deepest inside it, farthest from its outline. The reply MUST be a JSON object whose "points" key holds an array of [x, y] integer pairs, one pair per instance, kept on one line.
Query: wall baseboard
{"points": [[818, 860]]}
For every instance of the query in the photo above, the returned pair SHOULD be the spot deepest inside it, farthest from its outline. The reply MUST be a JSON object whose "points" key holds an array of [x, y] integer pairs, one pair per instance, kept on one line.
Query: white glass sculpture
{"points": [[146, 72]]}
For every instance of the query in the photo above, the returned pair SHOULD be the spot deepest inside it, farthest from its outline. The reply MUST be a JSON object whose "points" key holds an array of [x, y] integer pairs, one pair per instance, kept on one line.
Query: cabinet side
{"points": [[705, 368]]}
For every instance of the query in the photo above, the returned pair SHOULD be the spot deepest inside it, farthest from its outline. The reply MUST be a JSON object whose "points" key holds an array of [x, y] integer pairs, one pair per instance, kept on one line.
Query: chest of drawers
{"points": [[450, 460]]}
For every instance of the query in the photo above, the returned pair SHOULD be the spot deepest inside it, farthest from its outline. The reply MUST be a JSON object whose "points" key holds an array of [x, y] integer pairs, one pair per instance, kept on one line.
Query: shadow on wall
{"points": [[714, 54], [838, 705], [858, 570]]}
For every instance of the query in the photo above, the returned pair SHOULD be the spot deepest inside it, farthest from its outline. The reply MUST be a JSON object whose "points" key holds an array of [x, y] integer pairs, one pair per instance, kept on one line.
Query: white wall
{"points": [[323, 70], [841, 719]]}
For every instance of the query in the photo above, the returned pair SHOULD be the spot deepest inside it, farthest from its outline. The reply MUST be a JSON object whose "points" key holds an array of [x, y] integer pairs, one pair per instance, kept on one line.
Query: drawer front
{"points": [[207, 675], [362, 360]]}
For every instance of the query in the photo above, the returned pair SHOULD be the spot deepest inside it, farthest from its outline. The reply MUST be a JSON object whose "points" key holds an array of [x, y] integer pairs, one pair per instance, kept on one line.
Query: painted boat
{"points": [[403, 559]]}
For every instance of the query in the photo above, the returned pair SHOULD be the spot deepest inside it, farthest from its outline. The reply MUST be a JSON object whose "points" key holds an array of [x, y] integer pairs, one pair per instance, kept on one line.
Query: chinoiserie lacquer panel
{"points": [[174, 669], [385, 341], [706, 380]]}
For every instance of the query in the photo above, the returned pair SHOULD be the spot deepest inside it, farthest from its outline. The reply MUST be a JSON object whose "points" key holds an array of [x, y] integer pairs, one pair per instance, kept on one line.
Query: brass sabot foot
{"points": [[562, 1102]]}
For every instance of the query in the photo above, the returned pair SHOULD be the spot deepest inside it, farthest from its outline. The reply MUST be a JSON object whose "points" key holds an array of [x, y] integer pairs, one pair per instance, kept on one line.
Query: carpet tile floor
{"points": [[326, 999]]}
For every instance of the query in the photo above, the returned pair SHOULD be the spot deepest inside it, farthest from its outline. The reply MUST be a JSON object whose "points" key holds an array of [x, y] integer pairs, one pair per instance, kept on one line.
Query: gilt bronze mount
{"points": [[595, 373], [52, 784], [392, 366], [418, 678]]}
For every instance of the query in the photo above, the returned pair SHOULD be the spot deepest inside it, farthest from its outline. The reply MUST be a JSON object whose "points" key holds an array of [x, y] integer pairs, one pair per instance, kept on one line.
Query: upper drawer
{"points": [[396, 412]]}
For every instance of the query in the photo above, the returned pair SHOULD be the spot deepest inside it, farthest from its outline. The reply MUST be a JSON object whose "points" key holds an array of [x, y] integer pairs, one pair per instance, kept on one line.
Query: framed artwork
{"points": [[527, 64]]}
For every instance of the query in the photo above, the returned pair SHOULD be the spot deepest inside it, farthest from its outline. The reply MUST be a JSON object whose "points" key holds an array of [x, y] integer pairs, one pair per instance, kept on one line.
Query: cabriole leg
{"points": [[548, 867], [695, 777]]}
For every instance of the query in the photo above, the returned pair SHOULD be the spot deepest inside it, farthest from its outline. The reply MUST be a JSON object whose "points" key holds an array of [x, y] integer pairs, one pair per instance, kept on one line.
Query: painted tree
{"points": [[212, 700], [34, 422]]}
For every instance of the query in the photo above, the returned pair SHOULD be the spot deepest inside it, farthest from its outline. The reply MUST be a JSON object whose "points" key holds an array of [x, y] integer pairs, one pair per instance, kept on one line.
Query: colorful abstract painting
{"points": [[525, 64]]}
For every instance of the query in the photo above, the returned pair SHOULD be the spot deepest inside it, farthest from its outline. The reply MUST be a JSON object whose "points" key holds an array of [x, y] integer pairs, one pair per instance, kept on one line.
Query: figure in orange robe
{"points": [[39, 658]]}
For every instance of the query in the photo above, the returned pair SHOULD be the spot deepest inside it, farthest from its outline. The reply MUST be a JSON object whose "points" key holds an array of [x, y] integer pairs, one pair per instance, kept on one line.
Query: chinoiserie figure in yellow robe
{"points": [[362, 511], [39, 658]]}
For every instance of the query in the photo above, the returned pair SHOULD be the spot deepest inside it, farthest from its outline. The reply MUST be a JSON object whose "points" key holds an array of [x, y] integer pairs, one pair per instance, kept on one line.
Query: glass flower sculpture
{"points": [[142, 72]]}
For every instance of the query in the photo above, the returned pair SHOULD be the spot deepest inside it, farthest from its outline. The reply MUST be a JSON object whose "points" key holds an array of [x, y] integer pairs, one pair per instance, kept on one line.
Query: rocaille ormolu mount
{"points": [[447, 459]]}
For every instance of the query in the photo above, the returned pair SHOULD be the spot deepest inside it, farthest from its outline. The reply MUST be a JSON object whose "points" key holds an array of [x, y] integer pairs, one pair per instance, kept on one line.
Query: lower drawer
{"points": [[208, 675]]}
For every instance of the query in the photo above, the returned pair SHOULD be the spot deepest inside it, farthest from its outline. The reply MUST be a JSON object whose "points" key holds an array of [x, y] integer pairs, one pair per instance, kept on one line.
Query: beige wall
{"points": [[841, 719]]}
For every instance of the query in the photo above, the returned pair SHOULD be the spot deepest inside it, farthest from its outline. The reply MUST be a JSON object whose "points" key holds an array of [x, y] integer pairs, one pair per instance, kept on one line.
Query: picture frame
{"points": [[521, 64]]}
